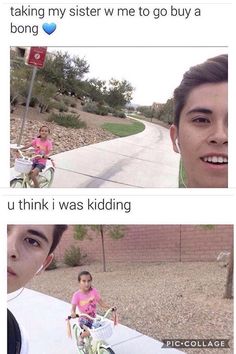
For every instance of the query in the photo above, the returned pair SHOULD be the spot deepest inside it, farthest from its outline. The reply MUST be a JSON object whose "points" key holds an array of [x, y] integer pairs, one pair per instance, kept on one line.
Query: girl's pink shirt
{"points": [[86, 302], [41, 147]]}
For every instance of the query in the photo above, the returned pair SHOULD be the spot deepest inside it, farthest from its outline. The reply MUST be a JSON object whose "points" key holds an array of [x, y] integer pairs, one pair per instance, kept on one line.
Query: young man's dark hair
{"points": [[214, 70], [57, 234]]}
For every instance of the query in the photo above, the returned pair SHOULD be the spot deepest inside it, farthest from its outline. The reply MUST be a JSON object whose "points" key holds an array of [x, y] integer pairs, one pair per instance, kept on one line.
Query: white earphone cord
{"points": [[16, 295], [181, 165], [181, 175]]}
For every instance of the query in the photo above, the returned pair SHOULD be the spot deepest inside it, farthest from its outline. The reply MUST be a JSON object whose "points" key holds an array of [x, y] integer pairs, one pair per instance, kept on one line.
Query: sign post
{"points": [[36, 58]]}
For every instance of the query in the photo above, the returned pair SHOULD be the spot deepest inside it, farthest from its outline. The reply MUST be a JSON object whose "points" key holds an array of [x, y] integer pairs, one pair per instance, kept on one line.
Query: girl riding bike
{"points": [[42, 148], [86, 300]]}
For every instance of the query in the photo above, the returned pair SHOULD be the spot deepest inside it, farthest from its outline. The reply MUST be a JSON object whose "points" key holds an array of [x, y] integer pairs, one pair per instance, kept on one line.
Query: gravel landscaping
{"points": [[161, 300], [64, 139]]}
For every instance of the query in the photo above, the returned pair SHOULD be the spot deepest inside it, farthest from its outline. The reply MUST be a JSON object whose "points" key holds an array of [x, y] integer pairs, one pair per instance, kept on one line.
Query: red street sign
{"points": [[37, 56]]}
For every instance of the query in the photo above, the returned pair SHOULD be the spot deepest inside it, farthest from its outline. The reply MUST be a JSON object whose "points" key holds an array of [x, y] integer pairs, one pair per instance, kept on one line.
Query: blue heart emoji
{"points": [[49, 28]]}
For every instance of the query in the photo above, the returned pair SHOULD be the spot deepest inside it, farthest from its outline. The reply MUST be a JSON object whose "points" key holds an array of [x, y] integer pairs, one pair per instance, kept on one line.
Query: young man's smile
{"points": [[10, 272], [216, 162]]}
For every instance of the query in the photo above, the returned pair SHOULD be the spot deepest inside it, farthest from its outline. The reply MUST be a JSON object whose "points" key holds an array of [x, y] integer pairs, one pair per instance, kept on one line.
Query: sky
{"points": [[154, 72]]}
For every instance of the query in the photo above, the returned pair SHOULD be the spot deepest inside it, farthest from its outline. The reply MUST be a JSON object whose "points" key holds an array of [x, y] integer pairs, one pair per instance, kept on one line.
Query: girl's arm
{"points": [[107, 307], [73, 311], [25, 147], [49, 152], [103, 304]]}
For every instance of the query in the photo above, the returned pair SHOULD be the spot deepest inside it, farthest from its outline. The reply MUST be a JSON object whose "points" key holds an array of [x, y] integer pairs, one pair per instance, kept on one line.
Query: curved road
{"points": [[142, 160]]}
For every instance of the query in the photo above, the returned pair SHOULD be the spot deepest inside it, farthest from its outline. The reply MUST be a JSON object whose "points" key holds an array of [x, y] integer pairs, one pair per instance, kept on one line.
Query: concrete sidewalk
{"points": [[143, 160], [43, 317]]}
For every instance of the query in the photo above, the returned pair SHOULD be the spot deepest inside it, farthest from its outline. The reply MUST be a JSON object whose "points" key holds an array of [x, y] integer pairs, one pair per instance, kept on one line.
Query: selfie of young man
{"points": [[29, 251], [200, 130]]}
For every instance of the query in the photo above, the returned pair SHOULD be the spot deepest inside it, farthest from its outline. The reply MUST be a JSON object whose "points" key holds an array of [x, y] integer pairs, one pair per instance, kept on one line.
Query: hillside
{"points": [[64, 139]]}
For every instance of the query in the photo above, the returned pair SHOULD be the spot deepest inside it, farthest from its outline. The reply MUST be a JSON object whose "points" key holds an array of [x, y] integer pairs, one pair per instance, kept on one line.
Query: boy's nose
{"points": [[219, 134], [12, 250]]}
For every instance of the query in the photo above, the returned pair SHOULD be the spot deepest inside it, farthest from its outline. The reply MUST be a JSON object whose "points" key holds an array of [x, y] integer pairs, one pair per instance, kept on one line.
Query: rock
{"points": [[223, 258]]}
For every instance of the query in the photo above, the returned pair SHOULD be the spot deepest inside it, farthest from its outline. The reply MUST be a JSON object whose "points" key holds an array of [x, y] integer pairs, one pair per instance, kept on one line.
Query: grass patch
{"points": [[135, 115], [122, 130]]}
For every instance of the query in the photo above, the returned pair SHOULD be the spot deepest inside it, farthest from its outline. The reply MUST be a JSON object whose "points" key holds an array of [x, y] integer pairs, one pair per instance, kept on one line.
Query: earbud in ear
{"points": [[39, 270], [178, 147]]}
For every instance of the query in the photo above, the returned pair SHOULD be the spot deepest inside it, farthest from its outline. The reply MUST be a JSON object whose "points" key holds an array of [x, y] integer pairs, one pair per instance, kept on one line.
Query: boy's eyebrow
{"points": [[39, 234], [200, 110]]}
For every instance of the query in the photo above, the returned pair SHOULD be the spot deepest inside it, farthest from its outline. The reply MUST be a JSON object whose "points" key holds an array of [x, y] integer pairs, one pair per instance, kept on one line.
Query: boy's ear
{"points": [[174, 137], [46, 263]]}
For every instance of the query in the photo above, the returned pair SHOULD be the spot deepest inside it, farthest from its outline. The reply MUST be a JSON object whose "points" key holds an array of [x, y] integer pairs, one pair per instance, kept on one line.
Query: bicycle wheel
{"points": [[18, 183], [45, 178], [103, 350]]}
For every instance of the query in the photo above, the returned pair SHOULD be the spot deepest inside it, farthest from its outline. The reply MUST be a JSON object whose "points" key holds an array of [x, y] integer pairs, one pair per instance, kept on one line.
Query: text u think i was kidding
{"points": [[92, 204]]}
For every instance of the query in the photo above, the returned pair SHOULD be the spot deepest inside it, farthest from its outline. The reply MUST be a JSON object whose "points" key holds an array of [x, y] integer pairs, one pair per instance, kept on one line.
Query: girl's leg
{"points": [[84, 334], [34, 176], [80, 339]]}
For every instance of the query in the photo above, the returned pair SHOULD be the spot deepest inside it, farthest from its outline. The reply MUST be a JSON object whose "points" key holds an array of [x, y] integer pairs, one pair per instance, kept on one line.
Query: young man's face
{"points": [[27, 250], [203, 136]]}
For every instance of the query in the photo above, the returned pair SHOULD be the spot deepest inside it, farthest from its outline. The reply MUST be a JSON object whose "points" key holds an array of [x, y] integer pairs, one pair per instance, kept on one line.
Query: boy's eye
{"points": [[202, 120], [32, 242]]}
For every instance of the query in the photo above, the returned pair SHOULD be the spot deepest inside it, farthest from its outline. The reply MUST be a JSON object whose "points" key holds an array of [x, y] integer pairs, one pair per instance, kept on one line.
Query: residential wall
{"points": [[155, 243]]}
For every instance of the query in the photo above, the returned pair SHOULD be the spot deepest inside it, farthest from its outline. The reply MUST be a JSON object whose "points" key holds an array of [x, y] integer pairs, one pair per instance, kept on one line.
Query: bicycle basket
{"points": [[23, 165], [103, 332]]}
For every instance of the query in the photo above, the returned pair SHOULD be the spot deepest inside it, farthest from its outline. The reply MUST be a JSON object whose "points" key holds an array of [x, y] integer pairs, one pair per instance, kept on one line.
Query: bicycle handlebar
{"points": [[98, 317], [33, 156]]}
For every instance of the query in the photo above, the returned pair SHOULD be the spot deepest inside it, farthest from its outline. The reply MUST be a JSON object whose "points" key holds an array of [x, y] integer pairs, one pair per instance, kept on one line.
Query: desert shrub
{"points": [[67, 120], [73, 105], [52, 265], [60, 106], [33, 101], [66, 101], [58, 97], [93, 107], [119, 114], [13, 100], [72, 256], [55, 104], [90, 107], [63, 107], [102, 111], [50, 106]]}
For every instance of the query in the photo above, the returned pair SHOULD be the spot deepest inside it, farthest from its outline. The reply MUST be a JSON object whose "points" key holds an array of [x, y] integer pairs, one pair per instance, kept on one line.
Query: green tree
{"points": [[44, 92], [119, 93], [95, 89], [114, 231], [165, 112], [147, 111], [19, 78], [64, 71]]}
